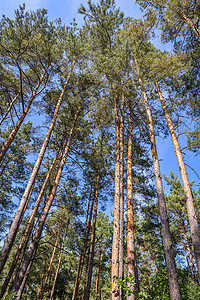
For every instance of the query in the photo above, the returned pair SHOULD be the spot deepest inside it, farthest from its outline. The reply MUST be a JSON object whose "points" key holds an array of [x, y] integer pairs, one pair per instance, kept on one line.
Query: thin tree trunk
{"points": [[16, 222], [91, 259], [37, 235], [13, 265], [8, 110], [116, 228], [56, 275], [187, 259], [22, 286], [121, 235], [167, 241], [22, 117], [131, 254], [189, 251], [14, 274], [25, 238], [194, 227], [41, 284], [194, 28], [49, 268], [84, 249], [85, 275], [59, 261], [98, 273]]}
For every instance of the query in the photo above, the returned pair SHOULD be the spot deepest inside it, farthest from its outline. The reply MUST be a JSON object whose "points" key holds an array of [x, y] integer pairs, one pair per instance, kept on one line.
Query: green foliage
{"points": [[193, 141], [11, 296], [128, 286], [105, 48]]}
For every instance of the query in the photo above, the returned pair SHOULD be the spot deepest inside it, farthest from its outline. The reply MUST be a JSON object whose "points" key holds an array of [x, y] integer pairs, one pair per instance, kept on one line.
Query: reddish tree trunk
{"points": [[131, 254], [36, 237], [25, 238], [116, 228], [189, 251], [98, 273], [85, 275], [59, 261], [22, 286], [91, 259], [22, 117], [19, 214], [49, 268], [194, 227], [121, 235], [84, 249], [167, 241]]}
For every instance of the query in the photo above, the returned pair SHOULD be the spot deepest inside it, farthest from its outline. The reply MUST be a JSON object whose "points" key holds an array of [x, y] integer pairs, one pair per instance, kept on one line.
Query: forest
{"points": [[85, 210]]}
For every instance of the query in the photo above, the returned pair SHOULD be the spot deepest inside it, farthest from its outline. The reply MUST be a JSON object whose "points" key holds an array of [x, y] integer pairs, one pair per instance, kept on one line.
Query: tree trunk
{"points": [[131, 254], [16, 222], [8, 110], [121, 235], [167, 241], [193, 26], [189, 251], [194, 227], [59, 261], [98, 273], [22, 117], [36, 237], [49, 268], [187, 259], [91, 259], [85, 275], [84, 249], [14, 262], [22, 286], [25, 238], [116, 228], [56, 275]]}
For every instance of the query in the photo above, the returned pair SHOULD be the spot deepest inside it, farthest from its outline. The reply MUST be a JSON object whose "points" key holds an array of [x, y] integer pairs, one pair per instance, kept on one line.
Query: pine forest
{"points": [[88, 110]]}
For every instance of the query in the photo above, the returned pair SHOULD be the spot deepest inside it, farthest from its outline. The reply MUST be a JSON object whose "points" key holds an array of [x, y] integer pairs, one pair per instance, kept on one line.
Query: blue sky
{"points": [[67, 10]]}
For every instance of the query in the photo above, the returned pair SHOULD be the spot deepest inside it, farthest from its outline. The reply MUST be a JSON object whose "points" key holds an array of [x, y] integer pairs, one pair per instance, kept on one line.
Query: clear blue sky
{"points": [[67, 10]]}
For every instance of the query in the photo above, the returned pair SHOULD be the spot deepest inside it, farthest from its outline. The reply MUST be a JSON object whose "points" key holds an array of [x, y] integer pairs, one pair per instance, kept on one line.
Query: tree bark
{"points": [[98, 273], [121, 235], [22, 117], [56, 275], [84, 249], [85, 275], [116, 228], [25, 238], [167, 241], [59, 261], [37, 235], [189, 251], [131, 254], [16, 222], [194, 28], [8, 110], [91, 259], [49, 268], [194, 227], [22, 286]]}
